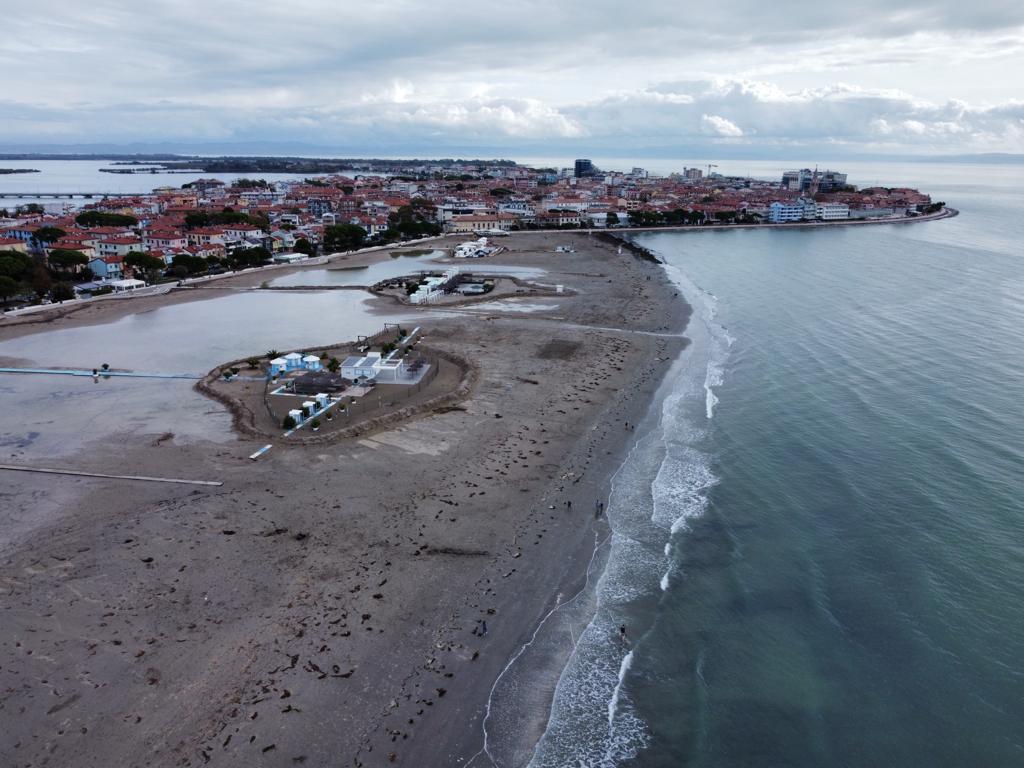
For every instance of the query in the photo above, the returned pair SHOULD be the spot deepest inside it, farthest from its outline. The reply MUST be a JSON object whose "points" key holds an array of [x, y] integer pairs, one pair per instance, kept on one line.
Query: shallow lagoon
{"points": [[47, 415], [399, 266]]}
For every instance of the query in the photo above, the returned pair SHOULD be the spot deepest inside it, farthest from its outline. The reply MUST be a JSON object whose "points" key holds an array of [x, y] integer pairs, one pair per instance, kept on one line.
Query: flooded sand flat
{"points": [[51, 415]]}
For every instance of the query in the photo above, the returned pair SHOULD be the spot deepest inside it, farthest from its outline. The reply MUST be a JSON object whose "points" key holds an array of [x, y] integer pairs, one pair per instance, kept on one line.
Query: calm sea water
{"points": [[818, 539], [66, 176]]}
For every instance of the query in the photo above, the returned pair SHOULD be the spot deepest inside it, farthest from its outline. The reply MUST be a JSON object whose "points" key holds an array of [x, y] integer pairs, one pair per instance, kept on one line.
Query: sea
{"points": [[65, 177], [818, 536]]}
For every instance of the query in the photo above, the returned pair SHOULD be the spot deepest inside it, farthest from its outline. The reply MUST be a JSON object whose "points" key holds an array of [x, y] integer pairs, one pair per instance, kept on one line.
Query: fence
{"points": [[366, 404]]}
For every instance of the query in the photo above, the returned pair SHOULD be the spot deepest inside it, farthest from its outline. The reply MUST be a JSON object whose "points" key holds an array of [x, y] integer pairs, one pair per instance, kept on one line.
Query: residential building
{"points": [[481, 221], [107, 267], [791, 210], [13, 244], [118, 246], [832, 211]]}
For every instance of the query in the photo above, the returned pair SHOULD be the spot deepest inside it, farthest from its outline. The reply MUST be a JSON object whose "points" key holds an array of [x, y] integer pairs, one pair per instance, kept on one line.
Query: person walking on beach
{"points": [[622, 633], [568, 505]]}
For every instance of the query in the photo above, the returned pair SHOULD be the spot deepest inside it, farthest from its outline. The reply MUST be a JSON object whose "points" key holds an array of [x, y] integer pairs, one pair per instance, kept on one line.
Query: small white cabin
{"points": [[124, 286]]}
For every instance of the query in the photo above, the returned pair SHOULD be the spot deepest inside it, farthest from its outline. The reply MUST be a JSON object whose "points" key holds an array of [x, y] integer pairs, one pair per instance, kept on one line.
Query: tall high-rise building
{"points": [[830, 181], [806, 180], [584, 168]]}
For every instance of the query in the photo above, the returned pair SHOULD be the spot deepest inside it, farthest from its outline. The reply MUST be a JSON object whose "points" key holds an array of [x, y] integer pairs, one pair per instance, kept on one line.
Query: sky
{"points": [[741, 78]]}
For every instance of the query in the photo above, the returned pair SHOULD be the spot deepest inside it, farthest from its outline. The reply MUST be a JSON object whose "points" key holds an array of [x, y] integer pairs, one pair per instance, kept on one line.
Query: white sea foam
{"points": [[663, 485], [710, 401], [613, 705]]}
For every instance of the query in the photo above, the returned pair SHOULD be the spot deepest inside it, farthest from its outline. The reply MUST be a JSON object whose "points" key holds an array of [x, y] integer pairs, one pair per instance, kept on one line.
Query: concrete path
{"points": [[123, 374], [76, 473]]}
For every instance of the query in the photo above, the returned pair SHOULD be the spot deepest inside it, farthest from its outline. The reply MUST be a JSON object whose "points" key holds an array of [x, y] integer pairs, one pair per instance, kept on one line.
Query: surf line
{"points": [[485, 750], [598, 544], [77, 473]]}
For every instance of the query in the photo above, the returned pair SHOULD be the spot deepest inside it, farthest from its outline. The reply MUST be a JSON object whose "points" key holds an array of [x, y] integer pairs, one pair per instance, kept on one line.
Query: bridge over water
{"points": [[68, 195]]}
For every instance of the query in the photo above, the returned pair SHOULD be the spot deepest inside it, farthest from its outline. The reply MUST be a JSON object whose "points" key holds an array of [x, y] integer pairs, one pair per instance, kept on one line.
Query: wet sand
{"points": [[324, 606]]}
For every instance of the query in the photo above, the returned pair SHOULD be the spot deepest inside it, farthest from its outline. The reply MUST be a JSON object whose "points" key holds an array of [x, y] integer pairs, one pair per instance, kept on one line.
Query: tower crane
{"points": [[710, 166]]}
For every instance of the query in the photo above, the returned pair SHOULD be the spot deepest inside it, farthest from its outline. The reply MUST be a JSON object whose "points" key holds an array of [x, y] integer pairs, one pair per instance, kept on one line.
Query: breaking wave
{"points": [[663, 484]]}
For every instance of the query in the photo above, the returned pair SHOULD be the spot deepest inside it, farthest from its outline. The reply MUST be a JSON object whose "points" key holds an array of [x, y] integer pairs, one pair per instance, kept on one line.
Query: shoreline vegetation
{"points": [[12, 171]]}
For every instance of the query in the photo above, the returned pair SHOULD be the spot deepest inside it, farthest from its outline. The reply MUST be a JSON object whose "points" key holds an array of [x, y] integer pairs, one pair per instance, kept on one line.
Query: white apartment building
{"points": [[832, 211], [791, 210]]}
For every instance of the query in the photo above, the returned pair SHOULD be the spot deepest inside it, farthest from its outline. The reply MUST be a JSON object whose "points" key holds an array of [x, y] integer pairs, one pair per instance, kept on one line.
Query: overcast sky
{"points": [[753, 78]]}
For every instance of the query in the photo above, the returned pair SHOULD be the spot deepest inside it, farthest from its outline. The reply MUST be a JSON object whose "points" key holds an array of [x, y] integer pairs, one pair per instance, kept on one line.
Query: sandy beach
{"points": [[327, 604]]}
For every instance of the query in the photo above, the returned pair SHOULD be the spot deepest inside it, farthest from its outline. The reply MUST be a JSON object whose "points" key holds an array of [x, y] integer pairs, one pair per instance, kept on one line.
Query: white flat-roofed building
{"points": [[374, 367], [832, 211], [123, 286]]}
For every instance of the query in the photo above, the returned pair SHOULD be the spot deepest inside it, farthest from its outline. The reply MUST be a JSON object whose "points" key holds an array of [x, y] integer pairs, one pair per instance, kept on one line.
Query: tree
{"points": [[8, 288], [66, 260], [62, 291], [249, 257], [15, 265], [151, 266], [343, 237], [611, 219], [302, 245], [288, 422], [198, 219], [41, 282], [45, 235], [417, 219], [191, 264], [104, 219]]}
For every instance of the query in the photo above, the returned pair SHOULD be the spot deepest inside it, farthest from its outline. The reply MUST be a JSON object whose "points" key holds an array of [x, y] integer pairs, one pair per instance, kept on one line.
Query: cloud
{"points": [[914, 76], [716, 125], [761, 115]]}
